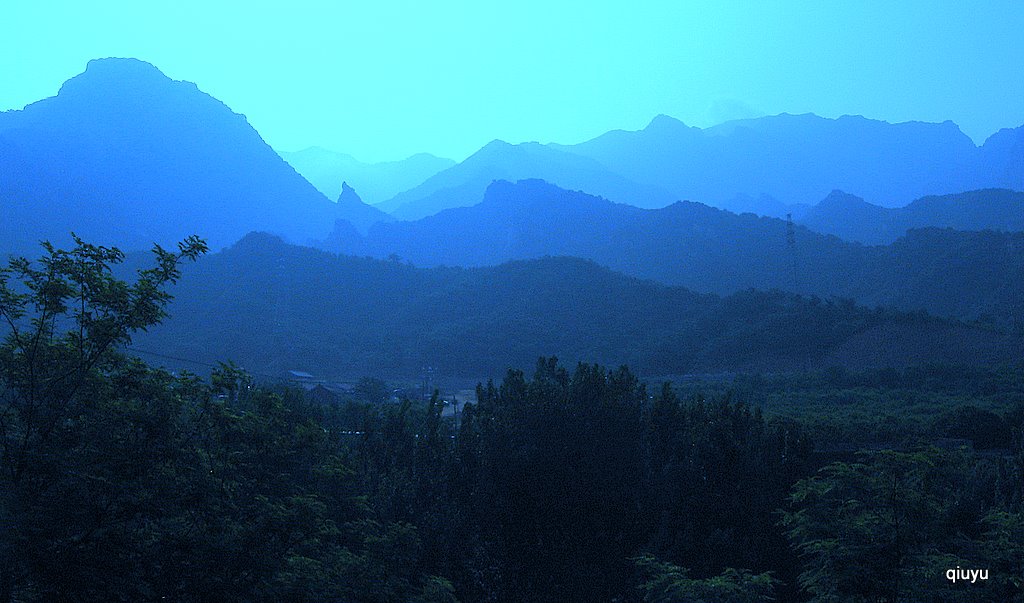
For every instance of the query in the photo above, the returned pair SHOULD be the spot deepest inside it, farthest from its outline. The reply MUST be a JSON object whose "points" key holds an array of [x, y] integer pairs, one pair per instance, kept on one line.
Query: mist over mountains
{"points": [[122, 144], [125, 156], [711, 250], [770, 166], [853, 219], [793, 158], [463, 184], [376, 182]]}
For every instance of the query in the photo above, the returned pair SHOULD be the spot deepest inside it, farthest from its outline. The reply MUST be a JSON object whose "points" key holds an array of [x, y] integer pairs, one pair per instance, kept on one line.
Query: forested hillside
{"points": [[147, 485], [274, 307]]}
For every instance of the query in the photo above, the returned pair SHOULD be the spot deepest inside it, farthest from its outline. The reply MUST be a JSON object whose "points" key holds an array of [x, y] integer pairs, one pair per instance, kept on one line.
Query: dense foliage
{"points": [[889, 408], [889, 527], [548, 487], [581, 486], [121, 482]]}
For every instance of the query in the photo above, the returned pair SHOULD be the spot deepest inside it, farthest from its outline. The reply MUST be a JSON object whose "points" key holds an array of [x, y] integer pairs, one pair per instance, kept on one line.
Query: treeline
{"points": [[548, 487], [581, 486], [888, 408], [568, 486]]}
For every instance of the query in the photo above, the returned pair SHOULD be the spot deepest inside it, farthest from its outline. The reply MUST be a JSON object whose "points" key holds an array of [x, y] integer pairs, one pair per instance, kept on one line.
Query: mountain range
{"points": [[711, 250], [770, 165], [121, 144], [126, 156], [274, 307], [463, 184]]}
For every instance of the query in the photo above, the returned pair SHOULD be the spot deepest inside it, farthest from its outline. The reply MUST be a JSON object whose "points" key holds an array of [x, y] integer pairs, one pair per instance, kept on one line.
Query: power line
{"points": [[167, 357], [199, 363]]}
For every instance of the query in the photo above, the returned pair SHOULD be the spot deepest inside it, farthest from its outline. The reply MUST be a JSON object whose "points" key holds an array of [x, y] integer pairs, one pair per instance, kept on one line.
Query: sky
{"points": [[384, 79]]}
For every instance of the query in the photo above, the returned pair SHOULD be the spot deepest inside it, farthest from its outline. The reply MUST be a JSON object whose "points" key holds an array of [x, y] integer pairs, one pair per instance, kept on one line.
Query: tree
{"points": [[667, 583], [121, 482], [887, 529], [64, 323], [64, 318], [372, 390], [557, 462]]}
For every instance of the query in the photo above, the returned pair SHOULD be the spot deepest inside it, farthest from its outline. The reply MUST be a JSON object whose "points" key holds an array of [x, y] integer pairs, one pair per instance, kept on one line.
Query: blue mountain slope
{"points": [[793, 158], [853, 219], [125, 156], [464, 184]]}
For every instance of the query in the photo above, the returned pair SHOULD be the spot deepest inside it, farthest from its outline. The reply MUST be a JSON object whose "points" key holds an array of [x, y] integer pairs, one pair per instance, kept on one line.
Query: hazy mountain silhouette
{"points": [[1001, 159], [774, 165], [704, 249], [125, 156], [464, 184], [687, 244], [851, 218], [350, 205], [376, 182], [763, 205], [274, 307], [792, 158]]}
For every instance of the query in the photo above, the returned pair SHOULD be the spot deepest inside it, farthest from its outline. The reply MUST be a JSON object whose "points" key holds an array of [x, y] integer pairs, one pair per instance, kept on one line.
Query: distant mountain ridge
{"points": [[376, 182], [358, 214], [125, 156], [798, 158], [1002, 159], [464, 184], [122, 145], [709, 250], [764, 165], [853, 219]]}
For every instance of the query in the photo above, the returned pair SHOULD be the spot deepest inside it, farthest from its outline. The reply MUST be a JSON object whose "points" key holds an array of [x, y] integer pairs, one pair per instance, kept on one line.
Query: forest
{"points": [[126, 482], [272, 307]]}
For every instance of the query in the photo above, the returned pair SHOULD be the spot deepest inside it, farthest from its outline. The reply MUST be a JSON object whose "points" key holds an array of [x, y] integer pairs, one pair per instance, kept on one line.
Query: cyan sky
{"points": [[383, 79]]}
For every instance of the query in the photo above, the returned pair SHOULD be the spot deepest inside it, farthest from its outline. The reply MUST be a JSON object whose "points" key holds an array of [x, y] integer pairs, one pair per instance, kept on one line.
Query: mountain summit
{"points": [[126, 156]]}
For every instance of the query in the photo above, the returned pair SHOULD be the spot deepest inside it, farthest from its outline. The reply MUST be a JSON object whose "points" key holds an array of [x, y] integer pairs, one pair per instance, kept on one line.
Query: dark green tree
{"points": [[372, 390], [890, 527], [120, 482], [64, 318], [667, 583]]}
